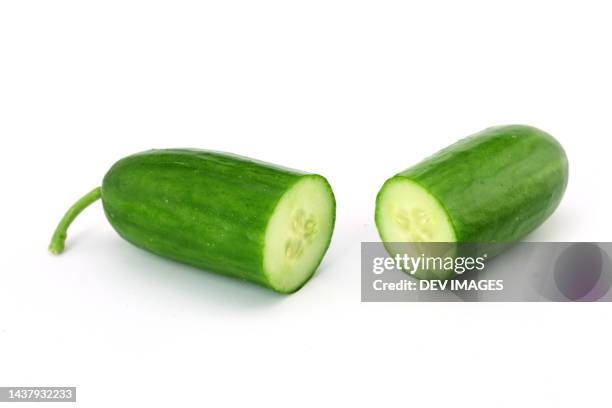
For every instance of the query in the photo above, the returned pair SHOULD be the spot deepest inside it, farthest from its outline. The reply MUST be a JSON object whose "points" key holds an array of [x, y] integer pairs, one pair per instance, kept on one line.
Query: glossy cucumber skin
{"points": [[206, 209], [497, 185]]}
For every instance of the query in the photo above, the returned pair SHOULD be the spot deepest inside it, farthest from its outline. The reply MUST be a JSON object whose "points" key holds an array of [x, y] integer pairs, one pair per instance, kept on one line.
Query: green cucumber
{"points": [[219, 212], [495, 186]]}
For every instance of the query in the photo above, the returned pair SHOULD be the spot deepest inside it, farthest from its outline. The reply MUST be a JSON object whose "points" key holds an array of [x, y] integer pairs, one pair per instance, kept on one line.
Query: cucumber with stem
{"points": [[219, 212]]}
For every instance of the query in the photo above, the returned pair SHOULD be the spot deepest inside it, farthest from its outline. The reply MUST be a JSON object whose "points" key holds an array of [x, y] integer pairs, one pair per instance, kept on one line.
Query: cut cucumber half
{"points": [[219, 212], [406, 212], [480, 194], [298, 233]]}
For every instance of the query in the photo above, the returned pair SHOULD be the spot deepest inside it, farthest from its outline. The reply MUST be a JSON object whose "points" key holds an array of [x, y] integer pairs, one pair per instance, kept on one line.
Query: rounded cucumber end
{"points": [[299, 233]]}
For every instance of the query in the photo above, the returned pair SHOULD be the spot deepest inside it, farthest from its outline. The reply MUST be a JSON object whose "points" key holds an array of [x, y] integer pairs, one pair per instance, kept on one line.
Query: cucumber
{"points": [[219, 212], [495, 186]]}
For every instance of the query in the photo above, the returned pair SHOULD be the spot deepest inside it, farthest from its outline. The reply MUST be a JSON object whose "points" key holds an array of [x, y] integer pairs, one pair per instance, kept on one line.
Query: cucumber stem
{"points": [[59, 236]]}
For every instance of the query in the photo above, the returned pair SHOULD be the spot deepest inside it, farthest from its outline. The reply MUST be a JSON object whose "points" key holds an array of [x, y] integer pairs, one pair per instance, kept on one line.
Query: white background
{"points": [[353, 90]]}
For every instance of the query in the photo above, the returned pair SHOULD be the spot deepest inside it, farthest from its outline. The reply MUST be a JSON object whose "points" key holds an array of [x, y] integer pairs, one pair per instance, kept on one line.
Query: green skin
{"points": [[497, 185], [206, 209]]}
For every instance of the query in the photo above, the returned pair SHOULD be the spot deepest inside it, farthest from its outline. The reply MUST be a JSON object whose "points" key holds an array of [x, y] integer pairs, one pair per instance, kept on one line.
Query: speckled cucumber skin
{"points": [[203, 208], [497, 185]]}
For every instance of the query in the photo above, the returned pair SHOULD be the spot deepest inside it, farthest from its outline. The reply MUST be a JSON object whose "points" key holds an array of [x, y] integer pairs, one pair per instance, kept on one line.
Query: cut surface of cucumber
{"points": [[406, 212], [298, 233]]}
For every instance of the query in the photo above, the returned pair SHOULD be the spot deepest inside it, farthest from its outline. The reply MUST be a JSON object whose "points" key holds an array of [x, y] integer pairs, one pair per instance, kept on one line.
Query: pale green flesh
{"points": [[298, 234], [407, 213]]}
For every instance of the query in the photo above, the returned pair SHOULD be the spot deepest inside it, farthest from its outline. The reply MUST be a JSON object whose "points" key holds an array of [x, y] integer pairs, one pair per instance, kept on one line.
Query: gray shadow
{"points": [[151, 272]]}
